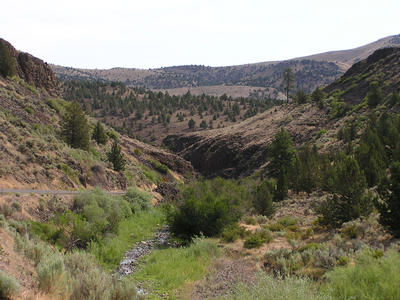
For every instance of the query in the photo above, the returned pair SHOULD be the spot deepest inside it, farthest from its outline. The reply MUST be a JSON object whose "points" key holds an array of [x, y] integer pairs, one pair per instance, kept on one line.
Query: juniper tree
{"points": [[75, 128], [288, 82], [99, 134], [116, 157], [389, 191], [282, 155], [349, 200]]}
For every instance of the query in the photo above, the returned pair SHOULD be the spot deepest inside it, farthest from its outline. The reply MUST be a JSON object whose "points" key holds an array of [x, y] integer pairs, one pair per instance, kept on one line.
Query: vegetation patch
{"points": [[166, 270]]}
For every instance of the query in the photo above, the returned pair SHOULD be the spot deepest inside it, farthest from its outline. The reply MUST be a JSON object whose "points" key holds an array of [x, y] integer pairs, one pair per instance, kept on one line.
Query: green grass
{"points": [[371, 278], [167, 270], [140, 226], [271, 287]]}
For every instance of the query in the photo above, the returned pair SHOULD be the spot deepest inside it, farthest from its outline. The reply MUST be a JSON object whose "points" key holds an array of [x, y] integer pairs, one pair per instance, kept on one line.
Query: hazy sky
{"points": [[155, 33]]}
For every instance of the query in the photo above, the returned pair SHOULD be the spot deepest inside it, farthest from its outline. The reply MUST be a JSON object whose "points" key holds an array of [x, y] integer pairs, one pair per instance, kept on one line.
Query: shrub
{"points": [[9, 286], [232, 233], [2, 221], [6, 210], [370, 278], [17, 206], [278, 288], [159, 167], [276, 227], [250, 220], [88, 281], [287, 221], [207, 207], [51, 274], [258, 238], [138, 200]]}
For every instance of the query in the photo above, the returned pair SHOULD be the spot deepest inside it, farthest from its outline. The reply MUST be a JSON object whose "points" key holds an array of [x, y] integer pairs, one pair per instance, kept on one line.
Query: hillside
{"points": [[242, 148], [34, 154], [150, 116], [310, 72]]}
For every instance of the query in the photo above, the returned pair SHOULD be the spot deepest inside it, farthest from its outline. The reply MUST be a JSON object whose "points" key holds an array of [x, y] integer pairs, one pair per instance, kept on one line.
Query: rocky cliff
{"points": [[33, 70]]}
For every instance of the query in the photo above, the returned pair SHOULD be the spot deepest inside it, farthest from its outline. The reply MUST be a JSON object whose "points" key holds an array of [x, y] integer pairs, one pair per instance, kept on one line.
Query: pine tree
{"points": [[116, 157], [349, 200], [191, 124], [99, 134], [288, 82], [7, 61], [282, 155], [374, 95], [301, 97], [75, 128], [262, 198], [390, 194], [318, 95], [371, 157]]}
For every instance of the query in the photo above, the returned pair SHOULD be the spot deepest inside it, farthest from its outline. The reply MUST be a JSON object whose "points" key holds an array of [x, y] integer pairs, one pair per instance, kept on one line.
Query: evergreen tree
{"points": [[389, 191], [301, 97], [262, 198], [203, 124], [7, 61], [75, 128], [318, 95], [282, 154], [305, 172], [191, 124], [99, 134], [371, 157], [116, 157], [349, 200], [374, 95], [288, 82]]}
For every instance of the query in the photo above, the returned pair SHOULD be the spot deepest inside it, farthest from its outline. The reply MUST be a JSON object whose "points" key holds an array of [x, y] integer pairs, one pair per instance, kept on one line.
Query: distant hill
{"points": [[266, 77], [241, 149]]}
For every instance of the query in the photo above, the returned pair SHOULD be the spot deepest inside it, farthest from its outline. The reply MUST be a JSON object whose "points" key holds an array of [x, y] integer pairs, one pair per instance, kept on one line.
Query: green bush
{"points": [[206, 207], [51, 274], [2, 221], [9, 286], [278, 288], [249, 220], [138, 200], [233, 232], [88, 281], [287, 221], [370, 278], [159, 167], [258, 238]]}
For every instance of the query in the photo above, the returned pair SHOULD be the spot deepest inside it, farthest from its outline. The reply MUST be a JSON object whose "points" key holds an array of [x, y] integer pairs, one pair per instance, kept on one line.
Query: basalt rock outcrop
{"points": [[33, 70]]}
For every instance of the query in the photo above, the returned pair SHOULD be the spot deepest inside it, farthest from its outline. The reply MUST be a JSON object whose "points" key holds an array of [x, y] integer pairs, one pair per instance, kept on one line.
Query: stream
{"points": [[130, 263]]}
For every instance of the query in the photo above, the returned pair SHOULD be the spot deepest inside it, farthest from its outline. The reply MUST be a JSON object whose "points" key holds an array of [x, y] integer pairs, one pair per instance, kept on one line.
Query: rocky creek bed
{"points": [[130, 262]]}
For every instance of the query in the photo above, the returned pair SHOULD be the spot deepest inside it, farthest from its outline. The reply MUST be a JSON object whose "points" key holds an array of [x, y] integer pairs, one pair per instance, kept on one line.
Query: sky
{"points": [[159, 33]]}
